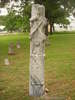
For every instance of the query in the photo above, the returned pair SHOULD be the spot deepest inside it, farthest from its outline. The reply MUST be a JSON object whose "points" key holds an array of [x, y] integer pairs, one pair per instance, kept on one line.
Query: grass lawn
{"points": [[59, 67]]}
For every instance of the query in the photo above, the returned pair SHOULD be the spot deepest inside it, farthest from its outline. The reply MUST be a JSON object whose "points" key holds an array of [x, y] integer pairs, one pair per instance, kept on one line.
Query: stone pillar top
{"points": [[37, 11]]}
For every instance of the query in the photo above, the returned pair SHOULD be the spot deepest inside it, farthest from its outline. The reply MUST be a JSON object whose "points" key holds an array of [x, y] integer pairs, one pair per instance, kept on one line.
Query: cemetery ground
{"points": [[59, 67]]}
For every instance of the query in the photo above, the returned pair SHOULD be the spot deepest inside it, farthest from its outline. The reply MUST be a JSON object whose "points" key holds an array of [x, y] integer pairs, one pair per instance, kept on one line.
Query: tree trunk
{"points": [[51, 28], [46, 30]]}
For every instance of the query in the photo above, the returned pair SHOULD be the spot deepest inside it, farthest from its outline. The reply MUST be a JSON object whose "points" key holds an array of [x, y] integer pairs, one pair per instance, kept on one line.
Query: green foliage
{"points": [[3, 2], [39, 1], [18, 22], [25, 24], [25, 9], [57, 11], [69, 5], [11, 22], [25, 13], [2, 20]]}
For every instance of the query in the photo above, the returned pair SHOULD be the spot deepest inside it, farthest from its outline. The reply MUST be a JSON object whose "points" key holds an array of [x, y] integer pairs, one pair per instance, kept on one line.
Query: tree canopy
{"points": [[57, 11]]}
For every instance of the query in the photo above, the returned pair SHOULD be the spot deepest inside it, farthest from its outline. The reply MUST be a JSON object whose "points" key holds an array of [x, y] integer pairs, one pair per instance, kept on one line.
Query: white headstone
{"points": [[11, 49], [38, 23], [18, 45], [6, 61]]}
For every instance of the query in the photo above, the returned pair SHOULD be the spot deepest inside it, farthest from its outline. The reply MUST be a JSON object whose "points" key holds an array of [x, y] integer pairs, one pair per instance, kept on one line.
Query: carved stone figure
{"points": [[38, 23]]}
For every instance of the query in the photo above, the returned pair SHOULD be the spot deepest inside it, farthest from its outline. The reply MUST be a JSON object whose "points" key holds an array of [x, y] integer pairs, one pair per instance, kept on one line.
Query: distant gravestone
{"points": [[18, 45], [6, 62], [37, 43], [11, 49]]}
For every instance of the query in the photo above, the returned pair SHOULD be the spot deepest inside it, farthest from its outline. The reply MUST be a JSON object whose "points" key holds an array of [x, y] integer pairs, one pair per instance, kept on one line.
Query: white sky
{"points": [[3, 11]]}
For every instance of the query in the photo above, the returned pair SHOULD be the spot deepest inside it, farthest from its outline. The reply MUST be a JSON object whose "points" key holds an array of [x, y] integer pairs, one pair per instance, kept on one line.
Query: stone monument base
{"points": [[37, 90]]}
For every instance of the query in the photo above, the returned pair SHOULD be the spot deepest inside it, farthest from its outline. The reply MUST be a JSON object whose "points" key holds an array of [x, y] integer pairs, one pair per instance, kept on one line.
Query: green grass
{"points": [[59, 67]]}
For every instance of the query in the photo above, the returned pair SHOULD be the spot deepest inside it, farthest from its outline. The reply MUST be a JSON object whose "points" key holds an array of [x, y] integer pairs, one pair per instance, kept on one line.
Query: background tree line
{"points": [[57, 12]]}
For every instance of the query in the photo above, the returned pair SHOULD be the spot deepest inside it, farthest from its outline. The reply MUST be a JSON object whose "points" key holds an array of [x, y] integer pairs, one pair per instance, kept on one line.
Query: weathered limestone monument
{"points": [[37, 42]]}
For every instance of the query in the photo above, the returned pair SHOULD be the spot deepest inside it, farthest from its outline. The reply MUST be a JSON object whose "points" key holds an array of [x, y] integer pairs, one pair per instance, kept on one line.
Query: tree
{"points": [[2, 20], [54, 12], [17, 23], [10, 22], [25, 13], [3, 2], [57, 11], [18, 20]]}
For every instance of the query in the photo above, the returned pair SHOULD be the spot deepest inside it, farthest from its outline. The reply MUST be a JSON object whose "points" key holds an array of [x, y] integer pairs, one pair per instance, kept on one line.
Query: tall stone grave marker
{"points": [[37, 42]]}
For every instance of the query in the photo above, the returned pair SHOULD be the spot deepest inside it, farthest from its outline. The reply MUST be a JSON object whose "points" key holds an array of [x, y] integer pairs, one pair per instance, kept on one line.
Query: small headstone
{"points": [[6, 61], [11, 49], [18, 45]]}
